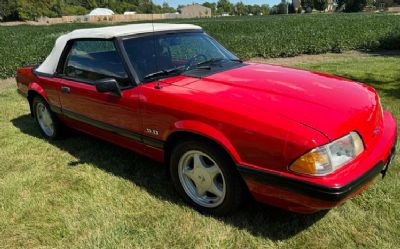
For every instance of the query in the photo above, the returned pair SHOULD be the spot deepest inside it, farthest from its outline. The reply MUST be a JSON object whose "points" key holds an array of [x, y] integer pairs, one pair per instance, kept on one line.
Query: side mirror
{"points": [[108, 85]]}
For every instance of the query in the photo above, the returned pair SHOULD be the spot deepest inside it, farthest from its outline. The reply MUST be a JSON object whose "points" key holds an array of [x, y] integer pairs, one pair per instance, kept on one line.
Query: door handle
{"points": [[65, 89]]}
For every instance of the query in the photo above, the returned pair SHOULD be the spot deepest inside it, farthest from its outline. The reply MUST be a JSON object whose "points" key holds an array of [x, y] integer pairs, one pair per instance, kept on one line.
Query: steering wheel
{"points": [[193, 59]]}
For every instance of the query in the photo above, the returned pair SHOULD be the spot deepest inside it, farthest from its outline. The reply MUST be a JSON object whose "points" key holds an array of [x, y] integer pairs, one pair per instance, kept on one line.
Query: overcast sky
{"points": [[175, 3]]}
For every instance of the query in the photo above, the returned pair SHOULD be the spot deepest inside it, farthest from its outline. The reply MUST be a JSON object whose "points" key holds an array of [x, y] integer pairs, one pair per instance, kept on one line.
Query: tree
{"points": [[87, 4], [8, 10], [241, 9], [70, 10], [265, 9], [283, 7], [352, 5], [257, 9], [180, 6], [224, 6], [212, 6], [307, 5], [320, 5], [145, 6], [167, 9]]}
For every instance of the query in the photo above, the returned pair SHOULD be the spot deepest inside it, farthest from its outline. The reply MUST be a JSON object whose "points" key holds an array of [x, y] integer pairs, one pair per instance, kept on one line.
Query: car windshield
{"points": [[164, 55]]}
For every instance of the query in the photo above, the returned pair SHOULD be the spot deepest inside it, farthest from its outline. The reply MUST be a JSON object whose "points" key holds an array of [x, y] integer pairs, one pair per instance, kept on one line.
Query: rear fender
{"points": [[35, 89], [33, 86]]}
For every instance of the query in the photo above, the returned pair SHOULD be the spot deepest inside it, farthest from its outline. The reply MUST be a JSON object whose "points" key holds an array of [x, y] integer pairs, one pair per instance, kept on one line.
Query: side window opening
{"points": [[91, 60]]}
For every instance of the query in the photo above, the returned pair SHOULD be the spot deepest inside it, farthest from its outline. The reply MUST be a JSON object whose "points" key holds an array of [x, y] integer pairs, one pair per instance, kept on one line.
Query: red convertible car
{"points": [[299, 140]]}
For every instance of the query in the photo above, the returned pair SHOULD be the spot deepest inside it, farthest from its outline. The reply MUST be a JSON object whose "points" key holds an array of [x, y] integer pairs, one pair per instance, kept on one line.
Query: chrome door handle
{"points": [[65, 89]]}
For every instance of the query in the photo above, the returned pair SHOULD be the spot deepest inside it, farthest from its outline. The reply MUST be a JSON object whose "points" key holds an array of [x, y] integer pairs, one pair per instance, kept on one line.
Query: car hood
{"points": [[331, 105]]}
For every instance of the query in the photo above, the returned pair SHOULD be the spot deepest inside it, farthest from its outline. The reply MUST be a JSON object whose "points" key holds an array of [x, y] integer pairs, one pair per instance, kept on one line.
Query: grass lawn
{"points": [[84, 193]]}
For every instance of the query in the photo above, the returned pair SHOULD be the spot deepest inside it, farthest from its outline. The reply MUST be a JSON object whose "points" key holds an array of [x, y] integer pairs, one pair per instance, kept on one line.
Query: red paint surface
{"points": [[264, 116]]}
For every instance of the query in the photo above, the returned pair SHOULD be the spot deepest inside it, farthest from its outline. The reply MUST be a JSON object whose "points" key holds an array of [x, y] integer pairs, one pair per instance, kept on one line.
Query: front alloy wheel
{"points": [[202, 179], [206, 177]]}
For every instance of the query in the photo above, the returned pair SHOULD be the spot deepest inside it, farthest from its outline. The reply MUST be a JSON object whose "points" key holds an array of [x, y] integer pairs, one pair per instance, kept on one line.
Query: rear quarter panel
{"points": [[46, 87], [23, 78]]}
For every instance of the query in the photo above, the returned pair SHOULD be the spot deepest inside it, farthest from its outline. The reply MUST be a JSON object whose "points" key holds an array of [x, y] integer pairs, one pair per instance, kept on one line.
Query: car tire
{"points": [[49, 125], [206, 178]]}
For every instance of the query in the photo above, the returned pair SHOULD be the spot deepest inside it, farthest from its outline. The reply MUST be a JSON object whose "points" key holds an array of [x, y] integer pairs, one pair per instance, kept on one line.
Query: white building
{"points": [[129, 12], [101, 12]]}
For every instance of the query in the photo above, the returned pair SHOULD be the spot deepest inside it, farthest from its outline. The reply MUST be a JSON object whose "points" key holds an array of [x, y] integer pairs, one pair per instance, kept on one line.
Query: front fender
{"points": [[205, 130]]}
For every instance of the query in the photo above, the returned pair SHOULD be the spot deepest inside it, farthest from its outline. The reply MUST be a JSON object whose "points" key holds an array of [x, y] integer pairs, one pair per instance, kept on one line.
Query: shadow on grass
{"points": [[256, 218], [388, 86], [392, 53]]}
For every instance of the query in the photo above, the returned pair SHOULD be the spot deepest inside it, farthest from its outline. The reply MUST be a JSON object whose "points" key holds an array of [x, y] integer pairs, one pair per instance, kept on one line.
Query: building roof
{"points": [[50, 64], [101, 12]]}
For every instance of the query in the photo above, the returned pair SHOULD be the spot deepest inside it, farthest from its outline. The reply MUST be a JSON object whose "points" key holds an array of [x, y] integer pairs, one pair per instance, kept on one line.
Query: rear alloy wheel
{"points": [[49, 125], [205, 177]]}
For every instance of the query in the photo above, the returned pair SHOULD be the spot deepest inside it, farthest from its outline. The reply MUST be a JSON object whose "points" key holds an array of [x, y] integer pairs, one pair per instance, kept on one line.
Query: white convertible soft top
{"points": [[49, 66]]}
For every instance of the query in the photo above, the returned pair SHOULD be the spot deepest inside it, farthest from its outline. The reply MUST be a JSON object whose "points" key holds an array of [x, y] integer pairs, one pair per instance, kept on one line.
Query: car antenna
{"points": [[154, 42]]}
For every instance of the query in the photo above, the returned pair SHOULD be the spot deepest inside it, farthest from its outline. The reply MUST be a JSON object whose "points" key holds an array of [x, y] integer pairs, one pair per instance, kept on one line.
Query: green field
{"points": [[81, 192], [269, 36]]}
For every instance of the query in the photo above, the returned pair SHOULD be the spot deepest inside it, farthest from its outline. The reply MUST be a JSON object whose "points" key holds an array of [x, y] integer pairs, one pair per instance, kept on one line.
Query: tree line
{"points": [[288, 6], [32, 9], [11, 10], [238, 9]]}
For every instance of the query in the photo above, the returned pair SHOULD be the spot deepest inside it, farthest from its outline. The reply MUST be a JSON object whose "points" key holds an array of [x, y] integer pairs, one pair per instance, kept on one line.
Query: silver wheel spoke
{"points": [[197, 162], [215, 190], [201, 190], [47, 118], [213, 171], [189, 173]]}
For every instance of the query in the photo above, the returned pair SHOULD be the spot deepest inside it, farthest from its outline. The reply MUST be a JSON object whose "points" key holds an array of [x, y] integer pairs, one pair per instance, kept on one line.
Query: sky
{"points": [[174, 3]]}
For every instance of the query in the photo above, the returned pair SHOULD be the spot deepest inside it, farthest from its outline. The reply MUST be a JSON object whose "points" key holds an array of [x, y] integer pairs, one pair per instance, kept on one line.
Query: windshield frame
{"points": [[228, 54]]}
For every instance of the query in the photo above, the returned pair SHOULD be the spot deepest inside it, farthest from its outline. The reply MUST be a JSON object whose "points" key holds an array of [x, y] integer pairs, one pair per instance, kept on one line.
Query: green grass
{"points": [[248, 37], [81, 192]]}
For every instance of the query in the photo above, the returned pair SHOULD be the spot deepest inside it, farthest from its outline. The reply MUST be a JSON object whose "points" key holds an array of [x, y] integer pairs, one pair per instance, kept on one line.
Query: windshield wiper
{"points": [[236, 60], [210, 61], [162, 73], [203, 67], [214, 61]]}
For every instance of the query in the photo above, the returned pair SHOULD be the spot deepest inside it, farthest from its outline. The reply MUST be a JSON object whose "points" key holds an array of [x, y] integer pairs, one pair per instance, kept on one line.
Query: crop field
{"points": [[269, 36]]}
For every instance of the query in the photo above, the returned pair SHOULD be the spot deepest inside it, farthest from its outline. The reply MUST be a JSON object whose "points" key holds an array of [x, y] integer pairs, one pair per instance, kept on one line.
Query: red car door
{"points": [[86, 62], [83, 102]]}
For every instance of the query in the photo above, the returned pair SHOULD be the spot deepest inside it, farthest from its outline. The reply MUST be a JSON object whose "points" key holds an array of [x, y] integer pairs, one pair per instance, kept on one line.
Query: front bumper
{"points": [[390, 158], [304, 196]]}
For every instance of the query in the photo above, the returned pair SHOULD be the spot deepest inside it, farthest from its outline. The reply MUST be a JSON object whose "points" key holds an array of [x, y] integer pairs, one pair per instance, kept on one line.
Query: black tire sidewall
{"points": [[233, 182]]}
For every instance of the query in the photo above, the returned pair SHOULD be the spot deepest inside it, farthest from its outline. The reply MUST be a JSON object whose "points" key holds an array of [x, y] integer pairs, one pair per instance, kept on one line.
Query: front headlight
{"points": [[330, 157]]}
